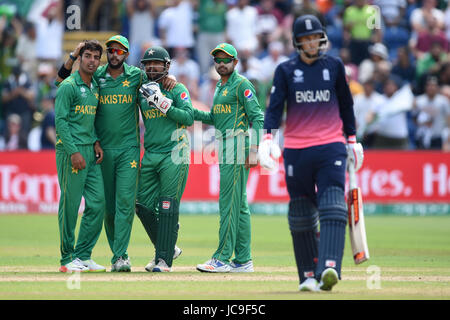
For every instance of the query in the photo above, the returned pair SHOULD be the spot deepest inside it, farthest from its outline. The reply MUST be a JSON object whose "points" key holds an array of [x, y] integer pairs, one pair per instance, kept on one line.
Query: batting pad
{"points": [[149, 220], [167, 229]]}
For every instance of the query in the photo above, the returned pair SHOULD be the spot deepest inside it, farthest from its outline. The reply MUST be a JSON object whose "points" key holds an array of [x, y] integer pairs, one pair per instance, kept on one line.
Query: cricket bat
{"points": [[356, 219]]}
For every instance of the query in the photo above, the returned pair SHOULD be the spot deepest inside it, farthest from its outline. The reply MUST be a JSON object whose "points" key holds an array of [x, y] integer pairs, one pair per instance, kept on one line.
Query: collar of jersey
{"points": [[80, 81]]}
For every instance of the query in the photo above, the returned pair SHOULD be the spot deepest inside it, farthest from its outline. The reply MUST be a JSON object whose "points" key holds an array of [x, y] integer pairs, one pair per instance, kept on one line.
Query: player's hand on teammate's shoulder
{"points": [[169, 82]]}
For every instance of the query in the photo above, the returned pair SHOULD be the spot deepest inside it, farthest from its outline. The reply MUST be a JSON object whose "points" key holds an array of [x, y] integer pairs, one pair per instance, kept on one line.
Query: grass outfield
{"points": [[412, 255]]}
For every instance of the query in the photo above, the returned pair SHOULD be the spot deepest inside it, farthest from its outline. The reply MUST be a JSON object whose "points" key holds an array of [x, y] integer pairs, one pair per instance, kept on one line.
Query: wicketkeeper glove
{"points": [[355, 153], [152, 93], [268, 153]]}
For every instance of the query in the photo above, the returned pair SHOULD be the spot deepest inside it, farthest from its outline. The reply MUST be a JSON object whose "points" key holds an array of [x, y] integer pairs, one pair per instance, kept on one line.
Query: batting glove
{"points": [[355, 153], [152, 93], [268, 153]]}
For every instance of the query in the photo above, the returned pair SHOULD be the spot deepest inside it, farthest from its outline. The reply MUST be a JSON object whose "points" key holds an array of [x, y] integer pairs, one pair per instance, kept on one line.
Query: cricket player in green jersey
{"points": [[77, 159], [117, 127], [235, 106], [165, 165]]}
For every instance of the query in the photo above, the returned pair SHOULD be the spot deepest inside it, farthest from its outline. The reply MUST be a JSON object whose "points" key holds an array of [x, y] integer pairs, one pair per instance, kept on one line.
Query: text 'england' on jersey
{"points": [[315, 95]]}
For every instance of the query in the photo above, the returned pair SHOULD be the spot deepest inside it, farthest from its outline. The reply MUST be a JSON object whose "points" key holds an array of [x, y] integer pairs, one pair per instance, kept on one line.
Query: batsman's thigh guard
{"points": [[149, 220], [303, 220], [333, 220], [167, 229]]}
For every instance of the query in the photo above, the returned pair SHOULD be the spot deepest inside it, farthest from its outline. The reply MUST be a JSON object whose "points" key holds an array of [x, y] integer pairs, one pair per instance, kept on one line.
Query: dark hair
{"points": [[92, 45]]}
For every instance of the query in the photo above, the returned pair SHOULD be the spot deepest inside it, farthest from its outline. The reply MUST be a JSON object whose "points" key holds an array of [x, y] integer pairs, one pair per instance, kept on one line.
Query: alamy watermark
{"points": [[73, 20], [373, 281]]}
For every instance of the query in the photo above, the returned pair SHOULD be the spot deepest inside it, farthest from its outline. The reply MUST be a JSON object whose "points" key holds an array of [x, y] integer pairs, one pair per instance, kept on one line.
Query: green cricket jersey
{"points": [[235, 106], [117, 120], [165, 131], [75, 109]]}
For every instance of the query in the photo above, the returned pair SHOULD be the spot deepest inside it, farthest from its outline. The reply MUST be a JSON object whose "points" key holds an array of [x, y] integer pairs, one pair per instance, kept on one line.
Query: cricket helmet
{"points": [[308, 25], [156, 53]]}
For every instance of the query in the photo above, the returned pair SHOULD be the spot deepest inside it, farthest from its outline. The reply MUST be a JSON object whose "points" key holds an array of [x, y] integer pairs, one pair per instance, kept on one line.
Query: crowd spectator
{"points": [[49, 33], [14, 138], [176, 26], [409, 43], [48, 131], [425, 38], [18, 98], [364, 106], [241, 30], [26, 50], [141, 28], [389, 120], [432, 114], [392, 11], [211, 30], [421, 15], [378, 53], [403, 66], [360, 29], [186, 70]]}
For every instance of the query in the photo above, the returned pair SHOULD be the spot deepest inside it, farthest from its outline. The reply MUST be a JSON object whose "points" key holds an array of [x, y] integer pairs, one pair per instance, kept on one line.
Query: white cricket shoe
{"points": [[121, 265], [74, 266], [310, 284], [214, 265], [176, 253], [161, 267], [328, 279], [93, 266], [244, 267]]}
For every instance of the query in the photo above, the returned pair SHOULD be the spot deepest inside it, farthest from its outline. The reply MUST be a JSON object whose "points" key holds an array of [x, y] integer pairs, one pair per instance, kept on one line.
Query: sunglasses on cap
{"points": [[119, 52], [224, 60]]}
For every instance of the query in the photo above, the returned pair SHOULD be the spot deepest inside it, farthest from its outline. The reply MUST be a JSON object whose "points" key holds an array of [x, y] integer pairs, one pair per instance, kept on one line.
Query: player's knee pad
{"points": [[332, 204], [142, 210], [303, 215]]}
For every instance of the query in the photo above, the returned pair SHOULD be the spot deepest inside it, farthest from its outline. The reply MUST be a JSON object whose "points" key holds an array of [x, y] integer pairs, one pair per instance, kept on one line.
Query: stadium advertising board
{"points": [[29, 183]]}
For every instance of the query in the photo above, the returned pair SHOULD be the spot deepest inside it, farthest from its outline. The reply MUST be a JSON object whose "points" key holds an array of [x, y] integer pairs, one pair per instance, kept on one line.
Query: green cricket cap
{"points": [[119, 39], [225, 47]]}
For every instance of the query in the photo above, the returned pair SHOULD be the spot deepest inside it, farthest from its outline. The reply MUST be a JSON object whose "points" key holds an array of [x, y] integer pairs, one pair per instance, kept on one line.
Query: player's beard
{"points": [[115, 66], [223, 71]]}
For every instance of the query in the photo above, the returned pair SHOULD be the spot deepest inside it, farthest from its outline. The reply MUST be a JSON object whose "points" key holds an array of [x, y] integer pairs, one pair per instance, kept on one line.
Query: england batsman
{"points": [[320, 123], [165, 164], [77, 159], [234, 108], [117, 127]]}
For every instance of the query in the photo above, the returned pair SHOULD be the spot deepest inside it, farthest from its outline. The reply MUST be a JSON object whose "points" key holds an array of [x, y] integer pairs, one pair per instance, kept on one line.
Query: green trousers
{"points": [[161, 186], [120, 170], [75, 184], [235, 226]]}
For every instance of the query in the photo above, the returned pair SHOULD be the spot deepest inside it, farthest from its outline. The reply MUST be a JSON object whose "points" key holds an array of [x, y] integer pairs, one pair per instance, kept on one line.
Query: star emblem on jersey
{"points": [[126, 83], [225, 92], [74, 170], [133, 164]]}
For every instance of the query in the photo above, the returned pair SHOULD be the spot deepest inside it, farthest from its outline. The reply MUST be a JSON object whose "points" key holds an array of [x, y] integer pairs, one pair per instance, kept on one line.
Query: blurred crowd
{"points": [[395, 52]]}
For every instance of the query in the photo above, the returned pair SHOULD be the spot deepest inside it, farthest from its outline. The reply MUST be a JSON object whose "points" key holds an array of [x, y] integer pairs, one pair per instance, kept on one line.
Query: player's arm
{"points": [[64, 99], [247, 96], [345, 100], [268, 150], [181, 110], [66, 68], [278, 95], [204, 116]]}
